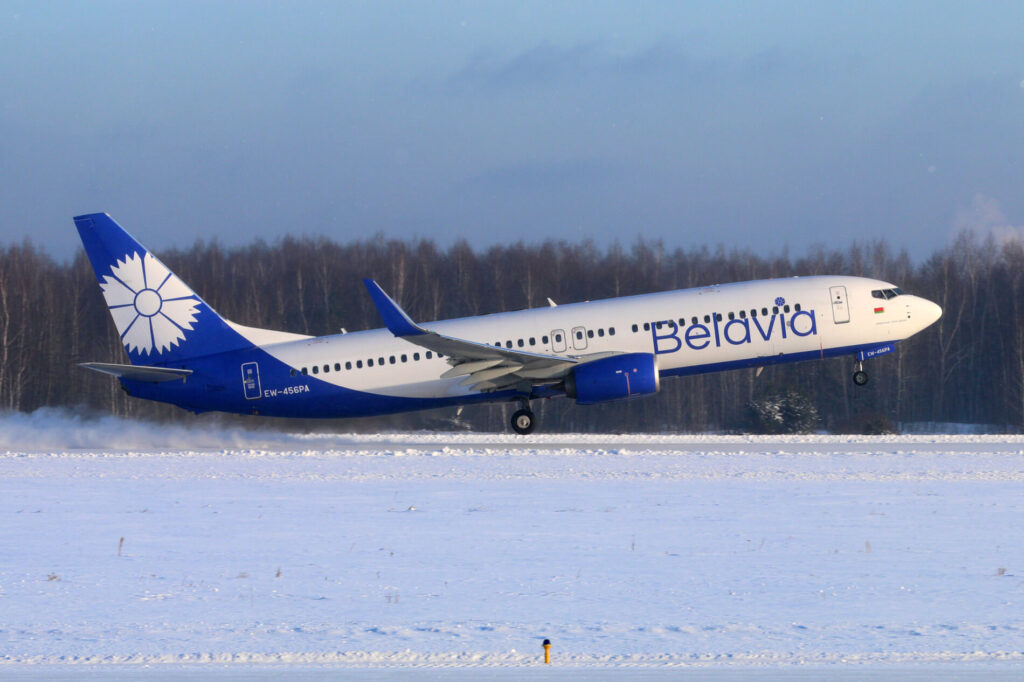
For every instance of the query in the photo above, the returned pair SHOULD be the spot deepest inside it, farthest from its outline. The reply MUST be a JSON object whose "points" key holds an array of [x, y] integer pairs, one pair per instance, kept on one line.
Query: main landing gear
{"points": [[523, 419], [860, 377]]}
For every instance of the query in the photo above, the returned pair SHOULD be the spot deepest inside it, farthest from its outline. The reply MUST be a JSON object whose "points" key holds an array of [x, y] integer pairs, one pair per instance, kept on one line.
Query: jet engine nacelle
{"points": [[615, 378]]}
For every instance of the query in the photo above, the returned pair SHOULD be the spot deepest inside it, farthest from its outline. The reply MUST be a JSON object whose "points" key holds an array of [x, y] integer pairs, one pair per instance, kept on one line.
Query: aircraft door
{"points": [[840, 309], [558, 340], [579, 338], [251, 381]]}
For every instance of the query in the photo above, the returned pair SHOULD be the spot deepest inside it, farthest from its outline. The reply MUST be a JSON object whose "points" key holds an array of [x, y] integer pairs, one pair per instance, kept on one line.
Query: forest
{"points": [[967, 368]]}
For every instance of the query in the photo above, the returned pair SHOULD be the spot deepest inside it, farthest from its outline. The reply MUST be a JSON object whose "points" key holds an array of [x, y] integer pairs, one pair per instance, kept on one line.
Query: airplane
{"points": [[182, 352]]}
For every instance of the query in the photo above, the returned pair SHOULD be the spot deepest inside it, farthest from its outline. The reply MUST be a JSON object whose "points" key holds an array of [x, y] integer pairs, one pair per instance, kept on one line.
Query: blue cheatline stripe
{"points": [[214, 386]]}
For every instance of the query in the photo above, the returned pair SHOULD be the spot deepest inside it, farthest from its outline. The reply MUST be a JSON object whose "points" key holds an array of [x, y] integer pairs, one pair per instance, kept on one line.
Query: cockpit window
{"points": [[887, 293]]}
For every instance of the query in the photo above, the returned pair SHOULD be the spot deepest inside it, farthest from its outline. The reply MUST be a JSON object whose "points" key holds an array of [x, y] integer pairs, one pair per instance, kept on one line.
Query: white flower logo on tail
{"points": [[151, 307]]}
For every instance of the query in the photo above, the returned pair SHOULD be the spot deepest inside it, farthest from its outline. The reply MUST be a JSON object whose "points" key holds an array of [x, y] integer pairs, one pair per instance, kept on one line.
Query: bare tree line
{"points": [[968, 367]]}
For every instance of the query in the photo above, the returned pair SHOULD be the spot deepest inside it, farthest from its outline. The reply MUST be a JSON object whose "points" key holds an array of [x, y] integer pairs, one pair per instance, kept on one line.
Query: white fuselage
{"points": [[702, 329]]}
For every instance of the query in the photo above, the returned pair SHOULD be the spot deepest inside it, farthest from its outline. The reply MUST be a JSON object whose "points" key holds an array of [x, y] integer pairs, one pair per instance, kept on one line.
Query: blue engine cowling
{"points": [[615, 378]]}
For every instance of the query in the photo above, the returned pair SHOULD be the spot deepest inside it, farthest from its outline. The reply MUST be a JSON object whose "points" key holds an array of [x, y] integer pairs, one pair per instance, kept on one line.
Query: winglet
{"points": [[398, 323]]}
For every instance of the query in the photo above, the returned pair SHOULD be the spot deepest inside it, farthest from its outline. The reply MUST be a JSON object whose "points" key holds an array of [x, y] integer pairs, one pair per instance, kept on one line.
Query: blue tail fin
{"points": [[160, 319]]}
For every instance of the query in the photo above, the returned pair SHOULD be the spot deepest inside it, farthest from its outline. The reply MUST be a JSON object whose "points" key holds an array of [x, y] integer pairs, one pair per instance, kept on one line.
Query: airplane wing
{"points": [[486, 368], [138, 372]]}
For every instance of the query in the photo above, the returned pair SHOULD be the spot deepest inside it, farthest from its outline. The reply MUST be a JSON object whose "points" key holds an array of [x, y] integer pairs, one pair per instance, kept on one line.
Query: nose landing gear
{"points": [[860, 377]]}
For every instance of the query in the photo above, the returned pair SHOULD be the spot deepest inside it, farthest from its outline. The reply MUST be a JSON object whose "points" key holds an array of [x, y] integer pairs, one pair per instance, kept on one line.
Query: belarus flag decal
{"points": [[879, 310]]}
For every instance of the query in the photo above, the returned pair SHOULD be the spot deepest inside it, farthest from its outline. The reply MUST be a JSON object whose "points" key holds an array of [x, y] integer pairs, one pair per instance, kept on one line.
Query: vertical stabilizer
{"points": [[160, 319]]}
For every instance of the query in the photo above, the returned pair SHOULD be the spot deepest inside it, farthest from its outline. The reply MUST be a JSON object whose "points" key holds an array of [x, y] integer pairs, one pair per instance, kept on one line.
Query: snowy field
{"points": [[128, 544]]}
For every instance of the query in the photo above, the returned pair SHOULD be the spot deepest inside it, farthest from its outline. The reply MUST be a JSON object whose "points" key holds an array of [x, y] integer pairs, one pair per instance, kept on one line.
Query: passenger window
{"points": [[520, 343], [796, 307], [647, 326], [405, 358], [348, 365], [508, 344], [304, 372], [533, 341], [380, 361], [544, 339], [327, 368], [718, 317], [786, 308], [392, 359], [775, 310], [707, 318], [600, 332], [579, 335], [590, 333], [359, 364], [415, 357], [753, 312], [429, 355], [369, 363], [635, 328], [743, 314], [693, 320], [558, 338], [764, 312], [337, 367], [611, 331], [316, 370], [732, 316]]}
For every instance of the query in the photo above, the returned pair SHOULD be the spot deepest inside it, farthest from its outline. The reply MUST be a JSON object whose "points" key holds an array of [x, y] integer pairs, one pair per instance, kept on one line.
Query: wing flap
{"points": [[489, 374], [465, 368]]}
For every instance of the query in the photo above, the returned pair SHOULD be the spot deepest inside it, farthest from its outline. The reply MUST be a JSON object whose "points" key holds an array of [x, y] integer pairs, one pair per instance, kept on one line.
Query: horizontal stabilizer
{"points": [[138, 372]]}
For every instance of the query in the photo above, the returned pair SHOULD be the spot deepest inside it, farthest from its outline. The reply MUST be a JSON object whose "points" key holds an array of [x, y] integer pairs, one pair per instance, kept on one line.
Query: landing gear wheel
{"points": [[860, 377], [523, 422]]}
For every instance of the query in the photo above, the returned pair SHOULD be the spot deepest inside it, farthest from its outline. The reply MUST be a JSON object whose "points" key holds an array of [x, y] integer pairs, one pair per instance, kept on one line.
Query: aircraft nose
{"points": [[930, 311]]}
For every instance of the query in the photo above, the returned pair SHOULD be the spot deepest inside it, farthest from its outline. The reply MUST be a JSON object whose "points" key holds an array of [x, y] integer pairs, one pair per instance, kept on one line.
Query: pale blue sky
{"points": [[759, 125]]}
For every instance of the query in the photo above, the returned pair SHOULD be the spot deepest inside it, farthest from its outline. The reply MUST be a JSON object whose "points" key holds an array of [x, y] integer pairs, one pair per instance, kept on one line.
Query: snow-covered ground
{"points": [[126, 542]]}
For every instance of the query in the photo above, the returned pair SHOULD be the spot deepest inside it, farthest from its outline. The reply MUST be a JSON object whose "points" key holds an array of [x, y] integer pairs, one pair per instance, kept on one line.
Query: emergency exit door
{"points": [[840, 308], [558, 340]]}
